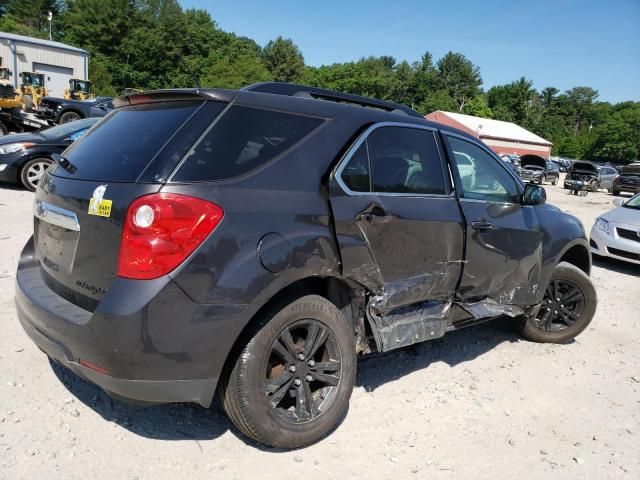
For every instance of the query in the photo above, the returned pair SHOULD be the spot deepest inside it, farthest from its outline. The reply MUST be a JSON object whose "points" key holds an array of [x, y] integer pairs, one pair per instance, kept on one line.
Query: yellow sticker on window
{"points": [[100, 207]]}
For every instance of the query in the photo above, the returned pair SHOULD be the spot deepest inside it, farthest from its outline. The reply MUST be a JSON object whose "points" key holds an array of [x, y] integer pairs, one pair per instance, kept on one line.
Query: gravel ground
{"points": [[479, 403]]}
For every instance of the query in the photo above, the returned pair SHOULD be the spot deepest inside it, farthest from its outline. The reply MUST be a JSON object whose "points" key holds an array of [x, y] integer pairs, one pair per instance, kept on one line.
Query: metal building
{"points": [[58, 62], [502, 137]]}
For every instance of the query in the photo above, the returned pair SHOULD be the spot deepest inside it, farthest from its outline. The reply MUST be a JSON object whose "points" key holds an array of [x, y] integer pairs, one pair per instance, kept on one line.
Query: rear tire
{"points": [[32, 172], [616, 193], [283, 392], [562, 318], [555, 181]]}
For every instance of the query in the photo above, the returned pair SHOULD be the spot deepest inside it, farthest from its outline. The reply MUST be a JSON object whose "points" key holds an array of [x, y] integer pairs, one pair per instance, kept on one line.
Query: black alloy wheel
{"points": [[567, 308], [303, 371], [562, 306], [290, 384]]}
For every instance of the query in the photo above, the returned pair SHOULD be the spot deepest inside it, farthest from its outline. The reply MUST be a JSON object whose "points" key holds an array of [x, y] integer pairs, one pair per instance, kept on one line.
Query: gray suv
{"points": [[250, 244]]}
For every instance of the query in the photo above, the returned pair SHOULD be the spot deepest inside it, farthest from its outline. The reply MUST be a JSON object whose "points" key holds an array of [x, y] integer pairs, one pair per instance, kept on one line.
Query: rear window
{"points": [[241, 140], [126, 141]]}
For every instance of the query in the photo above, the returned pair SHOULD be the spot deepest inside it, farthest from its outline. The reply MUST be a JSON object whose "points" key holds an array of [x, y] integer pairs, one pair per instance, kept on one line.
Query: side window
{"points": [[356, 173], [405, 160], [483, 178], [243, 139]]}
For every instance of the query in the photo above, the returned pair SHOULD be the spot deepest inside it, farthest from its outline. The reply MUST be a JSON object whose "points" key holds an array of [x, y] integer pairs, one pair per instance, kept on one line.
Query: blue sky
{"points": [[561, 43]]}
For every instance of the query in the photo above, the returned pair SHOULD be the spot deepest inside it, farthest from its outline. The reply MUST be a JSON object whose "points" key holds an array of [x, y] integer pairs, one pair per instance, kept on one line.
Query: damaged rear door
{"points": [[503, 237], [399, 229]]}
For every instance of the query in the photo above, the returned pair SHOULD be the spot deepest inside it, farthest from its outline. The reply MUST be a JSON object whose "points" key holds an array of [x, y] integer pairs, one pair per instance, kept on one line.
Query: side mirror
{"points": [[618, 202], [533, 194]]}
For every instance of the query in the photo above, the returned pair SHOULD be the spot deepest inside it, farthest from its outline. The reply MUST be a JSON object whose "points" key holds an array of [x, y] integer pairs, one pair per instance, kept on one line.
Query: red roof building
{"points": [[501, 137]]}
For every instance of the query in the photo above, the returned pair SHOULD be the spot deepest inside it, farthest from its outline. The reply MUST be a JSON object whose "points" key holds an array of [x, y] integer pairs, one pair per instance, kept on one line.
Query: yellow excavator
{"points": [[31, 90], [78, 90], [8, 96]]}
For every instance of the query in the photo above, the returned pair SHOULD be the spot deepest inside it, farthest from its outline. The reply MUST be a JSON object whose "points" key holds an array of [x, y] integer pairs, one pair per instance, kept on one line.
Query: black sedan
{"points": [[60, 110], [24, 157]]}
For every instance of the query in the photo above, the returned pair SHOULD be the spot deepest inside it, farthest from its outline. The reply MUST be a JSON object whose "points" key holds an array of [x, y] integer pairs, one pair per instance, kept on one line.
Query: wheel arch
{"points": [[577, 253], [341, 293]]}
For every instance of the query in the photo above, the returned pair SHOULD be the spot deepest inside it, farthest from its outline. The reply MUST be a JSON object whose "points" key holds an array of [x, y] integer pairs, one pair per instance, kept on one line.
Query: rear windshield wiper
{"points": [[64, 162]]}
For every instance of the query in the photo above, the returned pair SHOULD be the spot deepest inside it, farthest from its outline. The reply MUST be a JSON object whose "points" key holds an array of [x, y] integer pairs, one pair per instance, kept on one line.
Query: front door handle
{"points": [[482, 225]]}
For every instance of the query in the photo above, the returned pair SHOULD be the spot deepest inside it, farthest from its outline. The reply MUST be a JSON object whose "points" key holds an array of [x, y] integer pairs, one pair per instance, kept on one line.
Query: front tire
{"points": [[567, 308], [290, 385], [32, 172]]}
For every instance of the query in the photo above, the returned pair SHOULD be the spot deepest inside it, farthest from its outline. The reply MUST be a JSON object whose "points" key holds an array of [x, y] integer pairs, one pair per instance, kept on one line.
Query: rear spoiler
{"points": [[175, 95]]}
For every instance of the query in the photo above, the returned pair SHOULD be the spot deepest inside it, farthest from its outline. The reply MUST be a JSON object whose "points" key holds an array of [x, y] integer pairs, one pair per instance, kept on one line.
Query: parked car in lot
{"points": [[24, 157], [582, 176], [628, 180], [616, 234], [534, 168], [60, 110], [253, 242], [606, 175]]}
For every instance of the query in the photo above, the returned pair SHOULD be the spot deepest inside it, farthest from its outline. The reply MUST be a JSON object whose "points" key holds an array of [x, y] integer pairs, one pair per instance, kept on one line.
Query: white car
{"points": [[616, 234]]}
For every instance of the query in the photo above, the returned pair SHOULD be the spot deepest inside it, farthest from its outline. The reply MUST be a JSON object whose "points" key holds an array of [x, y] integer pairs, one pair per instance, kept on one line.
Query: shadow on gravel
{"points": [[11, 186], [177, 421], [192, 422], [617, 266]]}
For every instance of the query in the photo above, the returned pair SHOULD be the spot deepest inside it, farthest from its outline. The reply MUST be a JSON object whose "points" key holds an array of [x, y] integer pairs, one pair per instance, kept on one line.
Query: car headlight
{"points": [[14, 147], [602, 224]]}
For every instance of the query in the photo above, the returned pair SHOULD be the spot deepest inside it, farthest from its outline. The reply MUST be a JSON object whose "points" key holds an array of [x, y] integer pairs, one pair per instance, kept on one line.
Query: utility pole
{"points": [[50, 17]]}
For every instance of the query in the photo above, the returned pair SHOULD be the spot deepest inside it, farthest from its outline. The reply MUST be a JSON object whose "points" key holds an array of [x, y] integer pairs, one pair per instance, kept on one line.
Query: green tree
{"points": [[284, 60], [512, 102], [31, 17], [438, 100], [459, 77], [580, 102], [234, 62], [617, 139], [478, 107]]}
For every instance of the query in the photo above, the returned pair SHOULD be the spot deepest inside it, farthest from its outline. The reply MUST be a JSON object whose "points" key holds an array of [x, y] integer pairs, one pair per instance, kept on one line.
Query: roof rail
{"points": [[304, 91]]}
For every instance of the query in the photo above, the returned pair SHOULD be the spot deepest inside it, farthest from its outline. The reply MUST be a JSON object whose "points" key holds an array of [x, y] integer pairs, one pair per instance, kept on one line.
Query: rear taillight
{"points": [[161, 230]]}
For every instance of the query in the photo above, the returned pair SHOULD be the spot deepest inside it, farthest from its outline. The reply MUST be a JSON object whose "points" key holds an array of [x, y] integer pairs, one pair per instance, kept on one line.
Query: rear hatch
{"points": [[80, 210]]}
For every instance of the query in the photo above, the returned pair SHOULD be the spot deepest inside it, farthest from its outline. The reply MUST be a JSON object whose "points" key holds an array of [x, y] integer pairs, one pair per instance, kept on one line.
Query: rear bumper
{"points": [[626, 188], [151, 391], [149, 341]]}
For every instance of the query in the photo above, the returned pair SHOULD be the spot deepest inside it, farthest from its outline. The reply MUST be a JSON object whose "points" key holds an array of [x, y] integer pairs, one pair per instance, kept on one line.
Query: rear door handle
{"points": [[482, 225], [378, 219], [375, 218]]}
